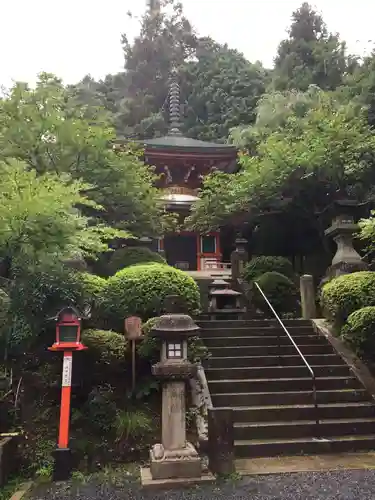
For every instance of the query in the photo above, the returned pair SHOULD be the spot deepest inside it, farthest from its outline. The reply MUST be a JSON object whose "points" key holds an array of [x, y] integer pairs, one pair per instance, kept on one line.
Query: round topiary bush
{"points": [[359, 332], [131, 256], [281, 292], [141, 290], [345, 294], [268, 263], [106, 357]]}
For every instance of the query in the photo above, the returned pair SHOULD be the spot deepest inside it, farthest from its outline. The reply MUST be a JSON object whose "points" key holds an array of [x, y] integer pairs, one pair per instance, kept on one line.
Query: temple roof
{"points": [[185, 144]]}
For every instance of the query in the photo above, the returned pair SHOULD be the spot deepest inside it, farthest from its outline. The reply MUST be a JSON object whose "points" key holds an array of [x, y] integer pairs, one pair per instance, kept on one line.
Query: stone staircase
{"points": [[270, 390]]}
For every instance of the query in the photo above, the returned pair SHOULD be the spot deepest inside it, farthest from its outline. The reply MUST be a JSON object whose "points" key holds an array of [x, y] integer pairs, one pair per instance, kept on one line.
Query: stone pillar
{"points": [[239, 258], [221, 441], [308, 302], [174, 457], [173, 434]]}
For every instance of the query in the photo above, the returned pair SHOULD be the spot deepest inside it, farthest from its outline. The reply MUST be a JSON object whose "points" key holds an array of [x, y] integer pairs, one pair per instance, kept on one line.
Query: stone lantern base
{"points": [[175, 464]]}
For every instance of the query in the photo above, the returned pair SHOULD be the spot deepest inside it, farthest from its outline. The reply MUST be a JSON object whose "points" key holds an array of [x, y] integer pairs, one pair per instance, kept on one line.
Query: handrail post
{"points": [[313, 378]]}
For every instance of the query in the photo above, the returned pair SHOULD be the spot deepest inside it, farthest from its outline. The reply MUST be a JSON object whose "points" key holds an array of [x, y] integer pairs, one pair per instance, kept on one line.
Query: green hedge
{"points": [[345, 294], [107, 346], [141, 290], [359, 331], [130, 256], [281, 292], [268, 263]]}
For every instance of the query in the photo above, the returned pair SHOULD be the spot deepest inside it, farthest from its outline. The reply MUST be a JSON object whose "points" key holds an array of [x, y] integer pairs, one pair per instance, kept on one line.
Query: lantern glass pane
{"points": [[174, 351], [68, 333]]}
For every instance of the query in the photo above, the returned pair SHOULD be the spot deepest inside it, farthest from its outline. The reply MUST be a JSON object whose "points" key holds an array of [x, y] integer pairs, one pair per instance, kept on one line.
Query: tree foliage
{"points": [[309, 162], [222, 89], [45, 128], [310, 55]]}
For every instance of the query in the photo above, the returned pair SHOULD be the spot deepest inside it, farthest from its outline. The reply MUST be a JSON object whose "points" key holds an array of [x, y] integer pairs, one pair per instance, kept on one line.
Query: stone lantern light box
{"points": [[224, 301]]}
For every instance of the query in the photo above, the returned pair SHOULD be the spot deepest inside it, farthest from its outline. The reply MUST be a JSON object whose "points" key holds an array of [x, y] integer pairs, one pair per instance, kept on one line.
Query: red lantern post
{"points": [[68, 339]]}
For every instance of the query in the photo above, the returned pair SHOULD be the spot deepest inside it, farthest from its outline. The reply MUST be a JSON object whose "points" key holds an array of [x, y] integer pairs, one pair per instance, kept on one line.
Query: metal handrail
{"points": [[313, 377]]}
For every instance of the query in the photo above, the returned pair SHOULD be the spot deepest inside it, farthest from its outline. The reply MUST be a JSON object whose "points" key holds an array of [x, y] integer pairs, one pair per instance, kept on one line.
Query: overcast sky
{"points": [[72, 38]]}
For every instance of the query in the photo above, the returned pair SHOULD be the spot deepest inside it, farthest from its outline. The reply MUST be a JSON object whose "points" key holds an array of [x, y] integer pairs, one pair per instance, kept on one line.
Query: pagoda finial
{"points": [[174, 105]]}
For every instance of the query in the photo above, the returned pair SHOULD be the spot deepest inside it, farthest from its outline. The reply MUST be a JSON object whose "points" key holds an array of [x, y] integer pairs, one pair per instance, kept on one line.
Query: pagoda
{"points": [[181, 164]]}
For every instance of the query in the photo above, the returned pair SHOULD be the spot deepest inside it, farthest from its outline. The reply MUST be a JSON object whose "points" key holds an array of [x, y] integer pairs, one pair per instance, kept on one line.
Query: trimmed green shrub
{"points": [[107, 346], [281, 292], [131, 256], [92, 286], [345, 294], [359, 331], [268, 263], [141, 290]]}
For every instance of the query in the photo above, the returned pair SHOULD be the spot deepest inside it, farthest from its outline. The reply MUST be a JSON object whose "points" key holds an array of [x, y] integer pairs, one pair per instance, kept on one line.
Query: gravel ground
{"points": [[343, 485]]}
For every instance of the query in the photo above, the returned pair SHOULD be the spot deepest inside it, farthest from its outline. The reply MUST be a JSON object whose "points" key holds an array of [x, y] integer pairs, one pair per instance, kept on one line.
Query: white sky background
{"points": [[72, 38]]}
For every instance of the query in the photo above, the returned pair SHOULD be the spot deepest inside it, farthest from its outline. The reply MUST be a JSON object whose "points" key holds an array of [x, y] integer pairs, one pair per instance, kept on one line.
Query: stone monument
{"points": [[174, 457]]}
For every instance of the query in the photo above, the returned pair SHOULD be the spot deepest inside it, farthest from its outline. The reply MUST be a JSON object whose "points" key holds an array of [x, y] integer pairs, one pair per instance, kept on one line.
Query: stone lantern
{"points": [[224, 303], [174, 458], [342, 230], [239, 257]]}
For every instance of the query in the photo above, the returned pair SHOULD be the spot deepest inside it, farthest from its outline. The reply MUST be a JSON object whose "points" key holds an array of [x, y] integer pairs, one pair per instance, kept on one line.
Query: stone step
{"points": [[282, 384], [286, 413], [267, 372], [288, 360], [271, 331], [306, 445], [264, 350], [288, 398], [252, 323], [263, 340], [303, 428]]}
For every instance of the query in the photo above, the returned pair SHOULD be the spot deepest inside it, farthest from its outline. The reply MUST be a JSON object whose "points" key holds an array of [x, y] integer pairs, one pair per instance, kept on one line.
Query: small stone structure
{"points": [[174, 458], [308, 302], [239, 257], [342, 230], [224, 303]]}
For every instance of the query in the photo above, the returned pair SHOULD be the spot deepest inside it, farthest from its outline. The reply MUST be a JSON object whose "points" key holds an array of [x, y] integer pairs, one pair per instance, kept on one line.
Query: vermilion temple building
{"points": [[182, 163]]}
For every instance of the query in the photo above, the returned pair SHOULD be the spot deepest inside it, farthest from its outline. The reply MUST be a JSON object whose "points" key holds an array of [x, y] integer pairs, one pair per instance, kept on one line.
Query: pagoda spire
{"points": [[174, 105]]}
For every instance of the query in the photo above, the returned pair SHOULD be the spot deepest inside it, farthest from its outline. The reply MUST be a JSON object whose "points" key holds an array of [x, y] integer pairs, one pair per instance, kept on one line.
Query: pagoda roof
{"points": [[180, 143]]}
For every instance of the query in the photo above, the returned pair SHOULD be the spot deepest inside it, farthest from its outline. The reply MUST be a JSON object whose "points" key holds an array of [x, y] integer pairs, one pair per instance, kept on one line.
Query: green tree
{"points": [[40, 221], [328, 153], [359, 86], [310, 55], [221, 89], [166, 40], [45, 128]]}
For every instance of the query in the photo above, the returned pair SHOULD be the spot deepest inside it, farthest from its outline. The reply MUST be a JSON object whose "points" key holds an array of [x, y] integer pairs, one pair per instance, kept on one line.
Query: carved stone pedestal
{"points": [[174, 464]]}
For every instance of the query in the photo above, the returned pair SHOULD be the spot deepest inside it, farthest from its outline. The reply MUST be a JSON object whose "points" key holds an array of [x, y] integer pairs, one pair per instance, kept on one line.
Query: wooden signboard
{"points": [[133, 327]]}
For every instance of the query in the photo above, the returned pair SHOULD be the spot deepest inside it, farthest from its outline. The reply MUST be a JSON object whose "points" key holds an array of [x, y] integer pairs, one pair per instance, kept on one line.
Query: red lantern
{"points": [[68, 331], [68, 339]]}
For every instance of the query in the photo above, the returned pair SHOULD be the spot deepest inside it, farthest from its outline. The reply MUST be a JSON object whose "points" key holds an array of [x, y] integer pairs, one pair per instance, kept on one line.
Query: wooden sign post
{"points": [[133, 331]]}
